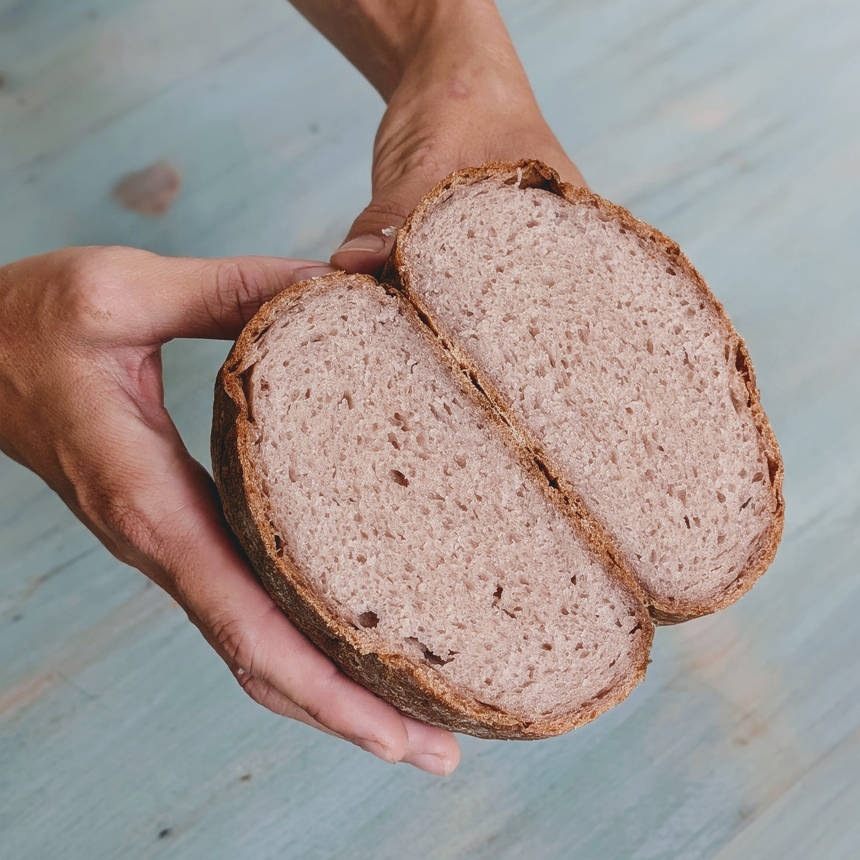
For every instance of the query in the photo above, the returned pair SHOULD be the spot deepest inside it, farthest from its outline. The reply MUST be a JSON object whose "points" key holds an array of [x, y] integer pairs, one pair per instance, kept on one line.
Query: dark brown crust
{"points": [[415, 688], [533, 174]]}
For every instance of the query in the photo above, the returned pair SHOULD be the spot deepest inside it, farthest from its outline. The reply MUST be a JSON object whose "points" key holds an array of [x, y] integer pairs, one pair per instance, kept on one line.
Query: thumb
{"points": [[371, 237], [187, 297]]}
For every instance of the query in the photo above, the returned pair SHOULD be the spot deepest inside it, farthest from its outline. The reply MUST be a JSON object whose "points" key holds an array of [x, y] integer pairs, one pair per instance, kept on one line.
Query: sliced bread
{"points": [[403, 528], [477, 486], [594, 335]]}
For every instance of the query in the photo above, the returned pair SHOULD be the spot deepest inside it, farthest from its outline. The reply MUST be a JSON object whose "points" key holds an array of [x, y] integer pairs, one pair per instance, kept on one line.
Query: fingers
{"points": [[272, 700], [301, 683], [430, 748], [427, 748], [285, 672], [215, 298], [127, 297], [371, 237], [157, 509]]}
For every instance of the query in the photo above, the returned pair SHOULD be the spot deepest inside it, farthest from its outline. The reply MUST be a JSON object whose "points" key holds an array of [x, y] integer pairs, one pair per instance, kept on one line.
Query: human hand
{"points": [[81, 332], [457, 97]]}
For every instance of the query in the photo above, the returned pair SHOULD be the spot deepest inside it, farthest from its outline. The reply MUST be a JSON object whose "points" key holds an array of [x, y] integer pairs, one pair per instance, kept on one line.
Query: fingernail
{"points": [[312, 272], [434, 764], [366, 244]]}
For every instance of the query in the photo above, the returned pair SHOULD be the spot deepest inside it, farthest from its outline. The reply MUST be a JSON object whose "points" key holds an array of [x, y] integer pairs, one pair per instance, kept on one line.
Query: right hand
{"points": [[81, 332]]}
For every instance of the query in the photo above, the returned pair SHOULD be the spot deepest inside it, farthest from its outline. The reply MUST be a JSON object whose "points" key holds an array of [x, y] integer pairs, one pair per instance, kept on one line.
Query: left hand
{"points": [[82, 405]]}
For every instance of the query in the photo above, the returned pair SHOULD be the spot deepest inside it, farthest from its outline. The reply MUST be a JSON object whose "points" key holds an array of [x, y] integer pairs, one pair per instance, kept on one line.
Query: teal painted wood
{"points": [[734, 125]]}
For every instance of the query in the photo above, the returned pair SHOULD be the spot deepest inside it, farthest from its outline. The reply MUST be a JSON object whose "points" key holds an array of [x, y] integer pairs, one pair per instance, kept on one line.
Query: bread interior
{"points": [[403, 506], [604, 346]]}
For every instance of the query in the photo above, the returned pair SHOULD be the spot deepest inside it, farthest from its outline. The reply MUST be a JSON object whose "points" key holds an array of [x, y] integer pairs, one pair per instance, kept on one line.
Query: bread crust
{"points": [[529, 173], [414, 687]]}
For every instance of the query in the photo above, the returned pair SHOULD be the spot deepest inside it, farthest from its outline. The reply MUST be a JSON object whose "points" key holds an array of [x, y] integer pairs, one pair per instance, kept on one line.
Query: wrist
{"points": [[457, 49]]}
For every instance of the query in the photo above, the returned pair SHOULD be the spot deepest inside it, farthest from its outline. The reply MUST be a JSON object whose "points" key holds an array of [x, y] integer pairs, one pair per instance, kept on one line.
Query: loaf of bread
{"points": [[478, 484]]}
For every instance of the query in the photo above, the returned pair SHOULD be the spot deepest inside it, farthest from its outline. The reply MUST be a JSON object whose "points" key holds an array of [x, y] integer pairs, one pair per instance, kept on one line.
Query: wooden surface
{"points": [[734, 126]]}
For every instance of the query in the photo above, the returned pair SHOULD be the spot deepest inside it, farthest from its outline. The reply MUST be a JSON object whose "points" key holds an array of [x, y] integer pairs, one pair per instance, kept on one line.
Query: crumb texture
{"points": [[614, 359], [397, 498]]}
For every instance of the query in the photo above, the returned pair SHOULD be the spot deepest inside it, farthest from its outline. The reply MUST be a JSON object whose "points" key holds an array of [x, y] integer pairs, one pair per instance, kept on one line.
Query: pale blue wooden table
{"points": [[733, 125]]}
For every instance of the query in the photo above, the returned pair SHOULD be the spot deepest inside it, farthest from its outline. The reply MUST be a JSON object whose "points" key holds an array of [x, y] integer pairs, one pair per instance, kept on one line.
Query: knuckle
{"points": [[386, 212], [238, 642], [93, 295], [264, 695], [126, 531], [403, 159], [236, 291]]}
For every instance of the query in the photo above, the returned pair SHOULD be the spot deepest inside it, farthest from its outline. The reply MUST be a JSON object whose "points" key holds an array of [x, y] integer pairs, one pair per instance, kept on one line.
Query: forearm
{"points": [[457, 44]]}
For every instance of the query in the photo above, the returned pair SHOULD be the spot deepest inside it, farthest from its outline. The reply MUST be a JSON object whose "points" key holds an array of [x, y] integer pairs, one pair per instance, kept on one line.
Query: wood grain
{"points": [[733, 126]]}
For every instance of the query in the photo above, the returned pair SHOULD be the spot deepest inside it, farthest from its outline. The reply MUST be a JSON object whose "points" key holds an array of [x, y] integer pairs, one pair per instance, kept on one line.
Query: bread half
{"points": [[405, 530], [602, 346]]}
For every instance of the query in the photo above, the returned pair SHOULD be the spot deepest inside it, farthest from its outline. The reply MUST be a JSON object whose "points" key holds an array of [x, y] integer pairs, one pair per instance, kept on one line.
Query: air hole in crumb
{"points": [[721, 496], [546, 646], [279, 546], [399, 478], [746, 502], [573, 579], [368, 619], [246, 390], [670, 270], [687, 521], [429, 656], [348, 398]]}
